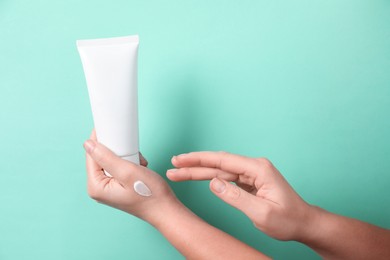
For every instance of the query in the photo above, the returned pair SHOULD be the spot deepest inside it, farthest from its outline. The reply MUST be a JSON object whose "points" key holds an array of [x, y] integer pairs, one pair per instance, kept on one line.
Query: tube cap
{"points": [[134, 158]]}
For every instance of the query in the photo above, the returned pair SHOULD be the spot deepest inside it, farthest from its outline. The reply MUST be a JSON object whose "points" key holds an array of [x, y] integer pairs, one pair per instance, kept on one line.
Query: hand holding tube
{"points": [[193, 237], [118, 191]]}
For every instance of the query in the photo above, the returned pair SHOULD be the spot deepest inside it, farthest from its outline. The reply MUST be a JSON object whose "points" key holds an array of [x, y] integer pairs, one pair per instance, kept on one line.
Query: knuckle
{"points": [[264, 163], [259, 226], [97, 155], [186, 172], [94, 193], [223, 158]]}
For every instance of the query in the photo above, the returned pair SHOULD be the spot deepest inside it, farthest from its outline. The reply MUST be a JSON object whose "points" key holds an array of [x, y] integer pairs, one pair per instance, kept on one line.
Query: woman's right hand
{"points": [[261, 191]]}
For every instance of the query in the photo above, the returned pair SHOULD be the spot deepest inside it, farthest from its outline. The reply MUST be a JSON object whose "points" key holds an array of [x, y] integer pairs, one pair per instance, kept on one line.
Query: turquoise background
{"points": [[304, 83]]}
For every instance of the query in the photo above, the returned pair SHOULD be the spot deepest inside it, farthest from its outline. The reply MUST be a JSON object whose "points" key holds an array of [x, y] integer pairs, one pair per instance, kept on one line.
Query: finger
{"points": [[93, 135], [143, 161], [94, 171], [221, 160], [238, 198], [113, 164], [95, 174], [199, 173]]}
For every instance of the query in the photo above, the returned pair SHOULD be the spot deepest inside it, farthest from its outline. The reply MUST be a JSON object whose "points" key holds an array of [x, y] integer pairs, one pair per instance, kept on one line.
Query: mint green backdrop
{"points": [[304, 83]]}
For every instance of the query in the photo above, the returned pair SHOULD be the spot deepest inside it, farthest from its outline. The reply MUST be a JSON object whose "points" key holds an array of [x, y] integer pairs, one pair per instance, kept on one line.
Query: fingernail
{"points": [[218, 185], [172, 170], [183, 154], [89, 145]]}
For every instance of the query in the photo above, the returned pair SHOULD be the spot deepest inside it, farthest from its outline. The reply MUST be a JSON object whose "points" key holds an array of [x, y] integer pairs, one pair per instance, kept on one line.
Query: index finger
{"points": [[224, 161], [94, 171]]}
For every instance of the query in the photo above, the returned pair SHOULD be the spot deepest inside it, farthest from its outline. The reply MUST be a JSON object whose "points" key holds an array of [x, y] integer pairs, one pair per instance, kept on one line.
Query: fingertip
{"points": [[93, 135], [217, 185], [178, 159], [171, 174], [174, 160], [89, 146]]}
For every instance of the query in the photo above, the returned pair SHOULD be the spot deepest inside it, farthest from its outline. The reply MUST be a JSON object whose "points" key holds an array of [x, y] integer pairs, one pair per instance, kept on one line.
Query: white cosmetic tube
{"points": [[110, 68]]}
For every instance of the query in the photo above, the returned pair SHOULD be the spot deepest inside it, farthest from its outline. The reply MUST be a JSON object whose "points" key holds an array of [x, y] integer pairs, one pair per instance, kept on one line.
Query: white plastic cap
{"points": [[131, 158]]}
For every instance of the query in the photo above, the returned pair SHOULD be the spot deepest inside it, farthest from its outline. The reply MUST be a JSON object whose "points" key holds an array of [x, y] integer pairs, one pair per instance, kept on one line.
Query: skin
{"points": [[189, 234], [276, 209]]}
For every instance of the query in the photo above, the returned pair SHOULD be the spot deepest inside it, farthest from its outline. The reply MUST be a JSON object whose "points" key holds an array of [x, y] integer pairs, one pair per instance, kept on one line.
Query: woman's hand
{"points": [[118, 191], [261, 192], [193, 237]]}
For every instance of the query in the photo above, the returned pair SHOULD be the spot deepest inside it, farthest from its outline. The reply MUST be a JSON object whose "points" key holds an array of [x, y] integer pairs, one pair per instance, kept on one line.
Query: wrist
{"points": [[159, 211], [311, 224]]}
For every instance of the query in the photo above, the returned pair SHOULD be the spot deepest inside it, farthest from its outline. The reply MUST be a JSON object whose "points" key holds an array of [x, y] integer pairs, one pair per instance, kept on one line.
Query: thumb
{"points": [[236, 197], [110, 162]]}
